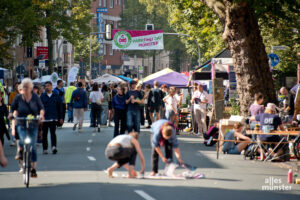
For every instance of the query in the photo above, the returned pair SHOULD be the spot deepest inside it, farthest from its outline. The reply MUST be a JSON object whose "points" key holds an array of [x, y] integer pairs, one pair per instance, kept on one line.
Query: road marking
{"points": [[91, 158], [94, 134], [90, 141], [88, 148], [144, 194]]}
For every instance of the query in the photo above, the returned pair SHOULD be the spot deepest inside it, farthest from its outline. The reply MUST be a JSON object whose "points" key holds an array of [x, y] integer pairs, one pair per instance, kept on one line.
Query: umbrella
{"points": [[108, 78]]}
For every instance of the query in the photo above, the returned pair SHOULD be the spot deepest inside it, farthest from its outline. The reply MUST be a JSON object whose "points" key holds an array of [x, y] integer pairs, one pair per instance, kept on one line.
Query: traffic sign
{"points": [[102, 10], [274, 59], [42, 64]]}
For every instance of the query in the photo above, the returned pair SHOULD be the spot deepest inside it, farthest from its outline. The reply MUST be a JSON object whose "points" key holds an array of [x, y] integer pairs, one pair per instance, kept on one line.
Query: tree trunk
{"points": [[50, 45], [250, 59]]}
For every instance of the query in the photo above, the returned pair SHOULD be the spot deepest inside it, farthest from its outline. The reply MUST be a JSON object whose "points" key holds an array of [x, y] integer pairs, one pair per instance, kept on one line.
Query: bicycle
{"points": [[25, 163]]}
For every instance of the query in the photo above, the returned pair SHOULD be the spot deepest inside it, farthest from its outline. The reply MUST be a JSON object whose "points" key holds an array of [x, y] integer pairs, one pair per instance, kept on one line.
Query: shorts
{"points": [[121, 155], [154, 109], [234, 150], [169, 114]]}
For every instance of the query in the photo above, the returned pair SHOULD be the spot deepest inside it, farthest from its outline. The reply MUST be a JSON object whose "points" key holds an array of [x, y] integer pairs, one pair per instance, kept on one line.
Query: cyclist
{"points": [[23, 105]]}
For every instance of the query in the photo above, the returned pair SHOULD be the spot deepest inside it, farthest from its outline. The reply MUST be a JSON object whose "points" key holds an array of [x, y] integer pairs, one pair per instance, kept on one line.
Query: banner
{"points": [[54, 79], [138, 40], [72, 74], [42, 53]]}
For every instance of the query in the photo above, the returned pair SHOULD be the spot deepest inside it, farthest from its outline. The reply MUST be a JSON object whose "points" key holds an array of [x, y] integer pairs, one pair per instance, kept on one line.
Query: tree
{"points": [[67, 19], [241, 33]]}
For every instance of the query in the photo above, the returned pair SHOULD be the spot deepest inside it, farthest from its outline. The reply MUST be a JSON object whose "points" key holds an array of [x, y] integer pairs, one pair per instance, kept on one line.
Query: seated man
{"points": [[123, 150], [164, 134], [235, 134], [270, 121]]}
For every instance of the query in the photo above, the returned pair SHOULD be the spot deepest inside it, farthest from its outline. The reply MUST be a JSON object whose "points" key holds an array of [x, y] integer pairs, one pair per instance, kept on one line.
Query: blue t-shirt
{"points": [[156, 137], [137, 95], [271, 120]]}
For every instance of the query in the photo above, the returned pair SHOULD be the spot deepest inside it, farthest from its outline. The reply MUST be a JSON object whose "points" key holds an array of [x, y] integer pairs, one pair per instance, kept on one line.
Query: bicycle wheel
{"points": [[27, 165]]}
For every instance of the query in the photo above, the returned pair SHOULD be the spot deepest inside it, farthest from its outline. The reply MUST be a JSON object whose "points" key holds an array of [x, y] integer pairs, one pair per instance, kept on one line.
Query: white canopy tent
{"points": [[107, 78], [44, 79]]}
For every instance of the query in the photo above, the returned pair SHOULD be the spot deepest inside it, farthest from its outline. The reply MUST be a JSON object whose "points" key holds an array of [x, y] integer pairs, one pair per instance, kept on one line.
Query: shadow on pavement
{"points": [[111, 191]]}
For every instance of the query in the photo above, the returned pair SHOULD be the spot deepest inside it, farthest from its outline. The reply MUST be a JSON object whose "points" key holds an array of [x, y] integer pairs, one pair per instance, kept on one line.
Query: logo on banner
{"points": [[122, 39]]}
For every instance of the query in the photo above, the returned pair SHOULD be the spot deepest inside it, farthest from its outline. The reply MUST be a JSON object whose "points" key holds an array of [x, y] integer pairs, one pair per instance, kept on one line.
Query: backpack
{"points": [[212, 133], [156, 97]]}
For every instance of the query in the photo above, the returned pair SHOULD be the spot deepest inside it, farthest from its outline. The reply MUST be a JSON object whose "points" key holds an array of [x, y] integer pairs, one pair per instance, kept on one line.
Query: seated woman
{"points": [[123, 150], [235, 134], [270, 121]]}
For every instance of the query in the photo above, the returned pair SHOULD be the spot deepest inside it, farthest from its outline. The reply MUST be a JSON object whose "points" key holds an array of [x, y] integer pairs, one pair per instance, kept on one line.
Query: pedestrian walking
{"points": [[119, 106], [148, 118], [200, 100], [172, 101], [68, 96], [112, 93], [79, 101], [53, 112], [155, 100], [133, 99], [164, 134], [3, 119], [142, 104], [123, 149], [61, 92], [96, 100], [104, 113]]}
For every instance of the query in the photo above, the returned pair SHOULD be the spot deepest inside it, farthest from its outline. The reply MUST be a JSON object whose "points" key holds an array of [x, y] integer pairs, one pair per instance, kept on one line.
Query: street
{"points": [[77, 172]]}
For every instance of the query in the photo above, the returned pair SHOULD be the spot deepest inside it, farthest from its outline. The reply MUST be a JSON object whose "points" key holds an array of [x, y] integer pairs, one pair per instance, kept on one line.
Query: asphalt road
{"points": [[77, 172]]}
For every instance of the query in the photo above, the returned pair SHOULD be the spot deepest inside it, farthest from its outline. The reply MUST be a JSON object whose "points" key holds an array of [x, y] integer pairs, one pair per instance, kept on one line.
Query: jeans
{"points": [[104, 114], [52, 127], [70, 112], [120, 115], [96, 110], [32, 132], [155, 156], [142, 115], [133, 120]]}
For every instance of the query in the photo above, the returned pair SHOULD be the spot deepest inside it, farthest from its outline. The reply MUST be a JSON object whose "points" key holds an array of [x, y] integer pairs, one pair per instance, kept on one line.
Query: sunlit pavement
{"points": [[77, 172]]}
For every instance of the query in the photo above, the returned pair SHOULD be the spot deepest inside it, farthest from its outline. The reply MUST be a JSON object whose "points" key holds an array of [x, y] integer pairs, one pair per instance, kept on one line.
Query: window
{"points": [[104, 49], [104, 3], [100, 3], [120, 2], [116, 2], [111, 3], [111, 51]]}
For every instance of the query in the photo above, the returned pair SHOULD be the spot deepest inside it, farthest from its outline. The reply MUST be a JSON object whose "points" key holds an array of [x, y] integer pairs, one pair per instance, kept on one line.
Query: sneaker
{"points": [[198, 133], [45, 152], [99, 129], [54, 150], [148, 127], [33, 173], [74, 127]]}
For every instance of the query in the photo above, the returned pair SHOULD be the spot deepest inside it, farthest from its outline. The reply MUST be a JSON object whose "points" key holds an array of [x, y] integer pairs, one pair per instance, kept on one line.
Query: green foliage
{"points": [[82, 50], [235, 107]]}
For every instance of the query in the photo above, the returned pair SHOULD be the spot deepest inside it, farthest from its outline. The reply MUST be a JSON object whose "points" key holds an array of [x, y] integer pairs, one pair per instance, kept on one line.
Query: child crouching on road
{"points": [[123, 149]]}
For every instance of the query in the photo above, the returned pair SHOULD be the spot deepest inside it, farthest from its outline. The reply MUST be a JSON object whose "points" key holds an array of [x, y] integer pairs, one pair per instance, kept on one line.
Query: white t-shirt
{"points": [[202, 96], [96, 96], [172, 101], [123, 140]]}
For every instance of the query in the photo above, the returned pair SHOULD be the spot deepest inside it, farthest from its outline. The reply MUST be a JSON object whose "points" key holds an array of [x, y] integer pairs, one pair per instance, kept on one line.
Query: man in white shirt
{"points": [[200, 100]]}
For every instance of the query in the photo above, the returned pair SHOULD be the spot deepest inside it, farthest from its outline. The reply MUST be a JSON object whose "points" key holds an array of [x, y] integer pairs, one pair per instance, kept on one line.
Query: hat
{"points": [[133, 82], [271, 106]]}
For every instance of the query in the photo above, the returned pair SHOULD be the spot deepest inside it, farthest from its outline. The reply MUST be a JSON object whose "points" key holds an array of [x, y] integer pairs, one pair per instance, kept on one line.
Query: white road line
{"points": [[144, 194], [88, 148], [91, 158], [90, 141], [94, 134]]}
